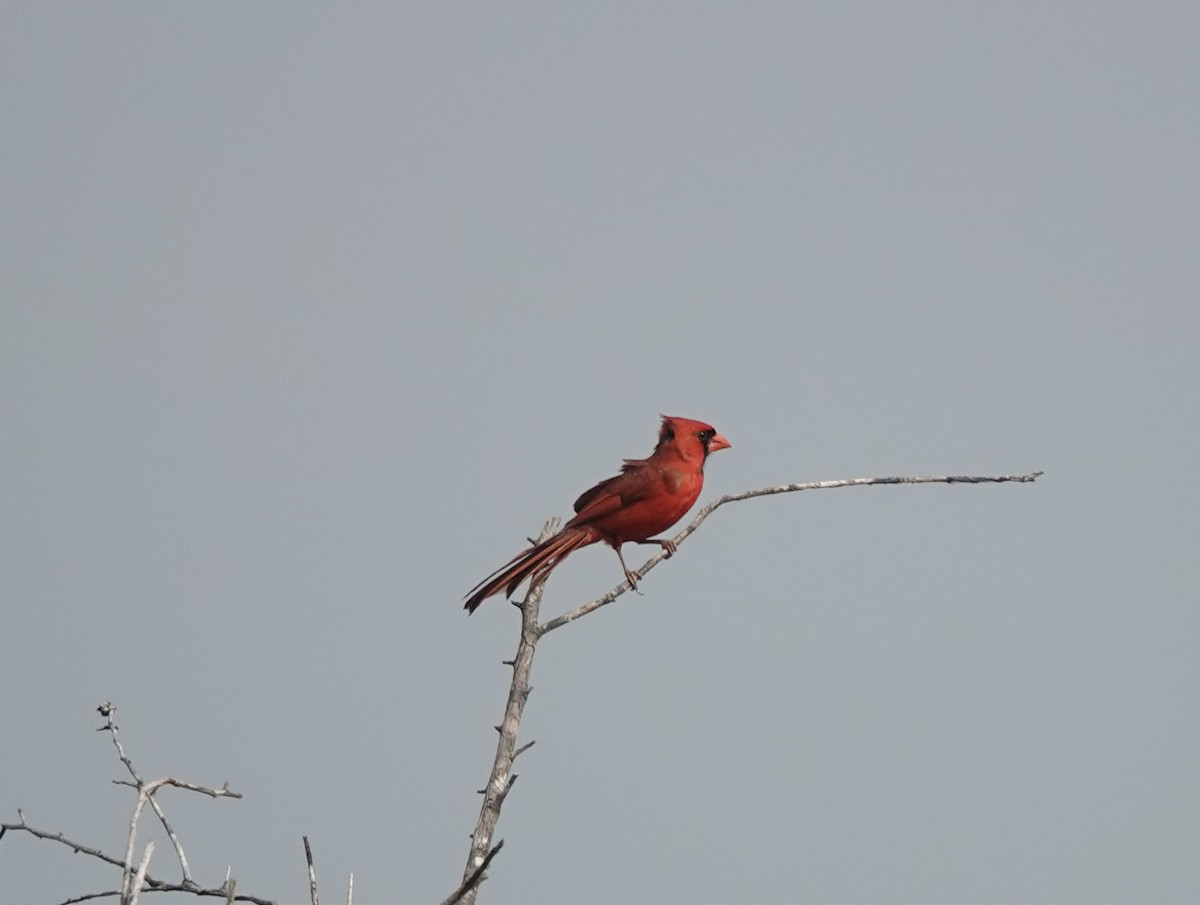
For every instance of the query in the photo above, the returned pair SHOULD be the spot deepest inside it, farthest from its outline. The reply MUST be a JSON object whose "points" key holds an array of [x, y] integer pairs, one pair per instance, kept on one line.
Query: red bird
{"points": [[648, 496]]}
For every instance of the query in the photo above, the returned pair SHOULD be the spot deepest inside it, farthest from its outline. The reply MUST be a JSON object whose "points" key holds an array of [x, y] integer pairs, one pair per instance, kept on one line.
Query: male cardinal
{"points": [[648, 496]]}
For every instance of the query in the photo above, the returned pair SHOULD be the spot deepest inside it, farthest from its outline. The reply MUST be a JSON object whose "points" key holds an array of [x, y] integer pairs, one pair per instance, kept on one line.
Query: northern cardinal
{"points": [[648, 496]]}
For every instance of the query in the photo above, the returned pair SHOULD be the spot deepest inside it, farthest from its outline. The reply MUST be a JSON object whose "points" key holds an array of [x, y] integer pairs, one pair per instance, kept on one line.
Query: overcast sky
{"points": [[311, 314]]}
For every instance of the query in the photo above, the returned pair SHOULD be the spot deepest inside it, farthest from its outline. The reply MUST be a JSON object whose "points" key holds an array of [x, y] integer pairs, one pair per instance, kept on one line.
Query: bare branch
{"points": [[519, 751], [221, 892], [593, 605], [223, 792], [146, 792], [131, 840], [78, 847], [312, 873], [501, 779], [473, 879], [108, 710], [135, 881], [151, 883], [89, 896], [140, 880]]}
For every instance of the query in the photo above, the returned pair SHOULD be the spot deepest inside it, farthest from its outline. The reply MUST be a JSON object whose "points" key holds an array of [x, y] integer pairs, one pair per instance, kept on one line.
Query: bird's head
{"points": [[689, 436]]}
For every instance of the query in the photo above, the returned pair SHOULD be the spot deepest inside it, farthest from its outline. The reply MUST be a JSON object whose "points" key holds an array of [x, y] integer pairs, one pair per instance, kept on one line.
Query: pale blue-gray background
{"points": [[311, 314]]}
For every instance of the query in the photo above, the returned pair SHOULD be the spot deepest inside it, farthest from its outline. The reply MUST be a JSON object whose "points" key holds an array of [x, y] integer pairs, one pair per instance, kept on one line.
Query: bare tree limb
{"points": [[472, 880], [501, 780], [77, 847], [135, 880], [312, 873], [146, 792], [221, 892], [593, 605], [89, 896], [140, 879], [156, 885]]}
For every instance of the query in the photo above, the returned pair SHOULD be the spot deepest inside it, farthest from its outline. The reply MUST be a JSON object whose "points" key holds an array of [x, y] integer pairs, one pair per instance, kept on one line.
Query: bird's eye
{"points": [[706, 435]]}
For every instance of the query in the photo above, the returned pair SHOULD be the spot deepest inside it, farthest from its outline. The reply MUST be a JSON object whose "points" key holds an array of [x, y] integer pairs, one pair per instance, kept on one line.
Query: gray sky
{"points": [[312, 314]]}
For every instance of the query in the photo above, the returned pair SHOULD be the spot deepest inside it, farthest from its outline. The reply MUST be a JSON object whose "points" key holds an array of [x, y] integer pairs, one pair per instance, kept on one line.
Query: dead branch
{"points": [[473, 879], [146, 791], [593, 605], [312, 873], [501, 780], [136, 878], [140, 879]]}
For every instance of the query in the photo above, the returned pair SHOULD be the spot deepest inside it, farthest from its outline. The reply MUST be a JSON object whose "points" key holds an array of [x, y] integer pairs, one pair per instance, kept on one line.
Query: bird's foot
{"points": [[632, 578], [669, 546]]}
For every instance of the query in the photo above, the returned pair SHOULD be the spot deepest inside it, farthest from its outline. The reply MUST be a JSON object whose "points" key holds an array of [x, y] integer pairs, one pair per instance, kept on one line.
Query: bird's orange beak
{"points": [[718, 442]]}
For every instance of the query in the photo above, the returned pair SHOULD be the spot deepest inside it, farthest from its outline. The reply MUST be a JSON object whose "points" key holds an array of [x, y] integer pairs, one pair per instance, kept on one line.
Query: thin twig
{"points": [[87, 897], [223, 792], [525, 747], [151, 883], [108, 710], [593, 605], [59, 837], [156, 886], [175, 843]]}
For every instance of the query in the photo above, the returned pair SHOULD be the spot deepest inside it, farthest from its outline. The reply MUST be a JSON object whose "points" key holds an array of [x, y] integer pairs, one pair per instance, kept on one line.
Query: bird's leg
{"points": [[631, 577], [668, 545]]}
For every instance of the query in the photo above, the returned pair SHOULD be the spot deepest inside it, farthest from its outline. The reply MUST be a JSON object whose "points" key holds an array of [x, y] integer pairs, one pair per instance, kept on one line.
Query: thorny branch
{"points": [[150, 882], [501, 780], [146, 792], [135, 877], [474, 878], [591, 606]]}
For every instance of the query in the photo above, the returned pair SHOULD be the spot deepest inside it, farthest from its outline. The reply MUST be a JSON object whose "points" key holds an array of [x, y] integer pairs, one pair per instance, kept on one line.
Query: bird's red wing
{"points": [[605, 487], [613, 494]]}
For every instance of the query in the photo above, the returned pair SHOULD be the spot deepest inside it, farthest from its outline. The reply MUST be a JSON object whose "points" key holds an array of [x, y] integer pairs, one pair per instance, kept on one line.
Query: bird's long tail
{"points": [[536, 561]]}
